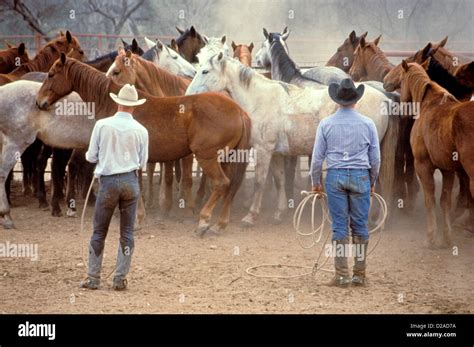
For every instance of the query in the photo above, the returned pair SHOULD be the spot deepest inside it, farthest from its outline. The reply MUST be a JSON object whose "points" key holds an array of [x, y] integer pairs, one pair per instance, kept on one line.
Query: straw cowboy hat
{"points": [[345, 93], [127, 96]]}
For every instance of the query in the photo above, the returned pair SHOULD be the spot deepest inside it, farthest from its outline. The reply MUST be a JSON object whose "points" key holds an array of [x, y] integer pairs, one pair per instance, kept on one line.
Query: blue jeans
{"points": [[348, 192], [122, 190]]}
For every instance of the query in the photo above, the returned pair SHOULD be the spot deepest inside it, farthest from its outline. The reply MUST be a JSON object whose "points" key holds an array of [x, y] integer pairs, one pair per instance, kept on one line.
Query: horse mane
{"points": [[440, 75], [150, 54], [378, 61], [419, 83], [83, 76], [286, 66], [173, 85]]}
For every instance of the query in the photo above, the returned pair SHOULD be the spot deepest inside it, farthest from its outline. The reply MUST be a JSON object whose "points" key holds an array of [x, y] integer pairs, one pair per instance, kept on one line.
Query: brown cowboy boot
{"points": [[361, 246], [341, 278]]}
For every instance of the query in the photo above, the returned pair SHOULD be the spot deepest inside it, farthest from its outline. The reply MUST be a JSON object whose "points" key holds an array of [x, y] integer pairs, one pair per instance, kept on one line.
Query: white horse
{"points": [[284, 121], [167, 59], [214, 45]]}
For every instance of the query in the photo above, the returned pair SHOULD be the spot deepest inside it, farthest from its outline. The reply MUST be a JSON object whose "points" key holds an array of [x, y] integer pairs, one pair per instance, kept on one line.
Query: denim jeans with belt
{"points": [[348, 192], [122, 190]]}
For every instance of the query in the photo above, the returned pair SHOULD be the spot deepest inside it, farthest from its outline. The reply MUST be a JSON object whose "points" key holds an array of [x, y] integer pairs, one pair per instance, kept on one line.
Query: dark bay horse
{"points": [[202, 124], [46, 56], [344, 55], [189, 44], [441, 138], [103, 62], [12, 57]]}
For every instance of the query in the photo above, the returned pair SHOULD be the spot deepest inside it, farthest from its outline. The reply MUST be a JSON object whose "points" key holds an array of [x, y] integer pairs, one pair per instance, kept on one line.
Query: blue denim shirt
{"points": [[346, 139]]}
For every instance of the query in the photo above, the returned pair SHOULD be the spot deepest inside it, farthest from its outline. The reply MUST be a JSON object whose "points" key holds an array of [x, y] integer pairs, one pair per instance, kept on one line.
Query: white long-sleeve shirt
{"points": [[118, 144]]}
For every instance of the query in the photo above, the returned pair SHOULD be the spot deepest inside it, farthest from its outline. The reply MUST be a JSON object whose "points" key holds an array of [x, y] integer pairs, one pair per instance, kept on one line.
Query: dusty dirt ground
{"points": [[174, 271]]}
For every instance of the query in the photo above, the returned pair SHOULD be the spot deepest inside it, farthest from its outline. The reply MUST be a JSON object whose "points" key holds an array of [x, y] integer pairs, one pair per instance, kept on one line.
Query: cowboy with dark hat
{"points": [[349, 143]]}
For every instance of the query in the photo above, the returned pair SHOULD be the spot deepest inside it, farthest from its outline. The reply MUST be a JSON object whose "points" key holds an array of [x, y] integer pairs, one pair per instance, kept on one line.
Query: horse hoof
{"points": [[56, 213], [200, 231], [8, 224], [215, 230], [71, 213], [276, 220], [244, 224]]}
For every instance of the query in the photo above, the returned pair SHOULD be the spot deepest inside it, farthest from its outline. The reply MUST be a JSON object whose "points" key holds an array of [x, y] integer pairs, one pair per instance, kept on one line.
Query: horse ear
{"points": [[68, 36], [134, 45], [9, 45], [426, 63], [364, 35], [192, 31], [352, 36], [223, 38], [426, 50], [159, 44], [285, 34], [128, 54], [174, 45], [362, 42], [21, 48], [121, 51], [265, 33], [234, 46], [125, 44], [180, 31], [404, 65], [251, 47], [220, 56], [377, 40], [443, 42], [61, 33], [63, 58]]}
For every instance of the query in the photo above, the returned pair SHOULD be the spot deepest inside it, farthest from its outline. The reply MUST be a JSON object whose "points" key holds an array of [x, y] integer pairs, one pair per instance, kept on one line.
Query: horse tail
{"points": [[388, 150], [238, 168]]}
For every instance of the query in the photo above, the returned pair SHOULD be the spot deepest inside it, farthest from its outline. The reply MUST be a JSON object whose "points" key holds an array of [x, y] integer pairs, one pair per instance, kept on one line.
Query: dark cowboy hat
{"points": [[345, 93]]}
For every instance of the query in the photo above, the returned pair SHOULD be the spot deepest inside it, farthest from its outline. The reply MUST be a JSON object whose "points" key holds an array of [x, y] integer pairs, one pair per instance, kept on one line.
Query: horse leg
{"points": [[445, 202], [201, 191], [166, 194], [150, 171], [278, 167], [72, 176], [290, 169], [399, 189], [177, 170], [413, 187], [10, 152], [26, 162], [43, 157], [58, 168], [220, 185], [8, 186], [186, 184], [425, 171], [462, 201], [261, 172]]}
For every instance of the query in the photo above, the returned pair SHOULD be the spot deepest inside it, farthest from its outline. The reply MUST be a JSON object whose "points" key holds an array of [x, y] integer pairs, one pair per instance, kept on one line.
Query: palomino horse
{"points": [[213, 46], [129, 68], [441, 139], [46, 57], [203, 124], [370, 63], [344, 55], [103, 62], [190, 43], [167, 59], [285, 118], [12, 57], [243, 53]]}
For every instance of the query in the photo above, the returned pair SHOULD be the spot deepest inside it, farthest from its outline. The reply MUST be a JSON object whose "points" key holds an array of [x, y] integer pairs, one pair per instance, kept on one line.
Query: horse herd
{"points": [[203, 97]]}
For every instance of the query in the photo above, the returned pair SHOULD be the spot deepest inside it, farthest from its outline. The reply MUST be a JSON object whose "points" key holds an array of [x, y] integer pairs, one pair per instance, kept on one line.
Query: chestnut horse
{"points": [[189, 44], [370, 63], [243, 53], [344, 55], [202, 124], [13, 57], [46, 57], [441, 138], [129, 68]]}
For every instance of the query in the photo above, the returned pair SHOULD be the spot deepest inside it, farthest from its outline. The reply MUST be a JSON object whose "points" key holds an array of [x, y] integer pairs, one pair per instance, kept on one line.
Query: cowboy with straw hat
{"points": [[349, 143], [119, 146]]}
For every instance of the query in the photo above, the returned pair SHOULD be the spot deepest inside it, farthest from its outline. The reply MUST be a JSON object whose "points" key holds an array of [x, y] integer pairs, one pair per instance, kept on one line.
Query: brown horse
{"points": [[344, 56], [465, 74], [46, 57], [189, 44], [13, 57], [441, 139], [203, 124], [146, 76], [243, 53], [370, 63]]}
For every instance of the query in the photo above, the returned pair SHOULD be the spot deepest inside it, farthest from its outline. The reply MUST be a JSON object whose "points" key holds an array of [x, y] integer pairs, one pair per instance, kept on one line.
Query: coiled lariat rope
{"points": [[317, 233], [84, 240]]}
